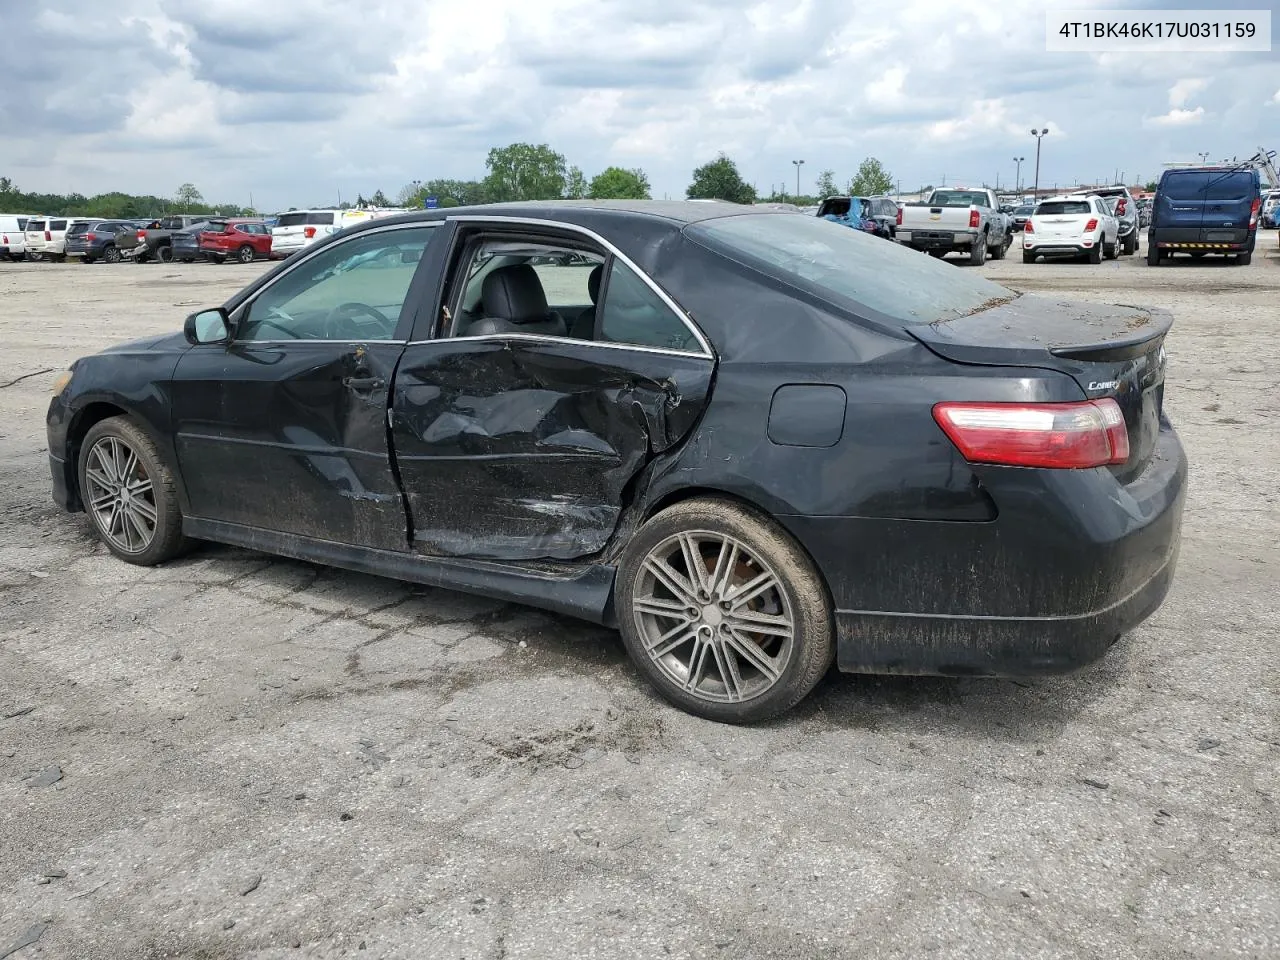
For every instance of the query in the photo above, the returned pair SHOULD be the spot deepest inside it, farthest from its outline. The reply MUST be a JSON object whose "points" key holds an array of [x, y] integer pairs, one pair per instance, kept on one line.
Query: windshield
{"points": [[957, 198], [848, 268], [1056, 208], [1208, 185]]}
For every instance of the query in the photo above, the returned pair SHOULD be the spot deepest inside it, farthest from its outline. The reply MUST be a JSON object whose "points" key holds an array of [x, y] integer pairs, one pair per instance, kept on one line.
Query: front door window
{"points": [[351, 291]]}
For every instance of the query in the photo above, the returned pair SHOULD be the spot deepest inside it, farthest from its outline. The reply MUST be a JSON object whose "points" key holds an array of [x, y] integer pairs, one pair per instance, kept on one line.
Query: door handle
{"points": [[363, 383]]}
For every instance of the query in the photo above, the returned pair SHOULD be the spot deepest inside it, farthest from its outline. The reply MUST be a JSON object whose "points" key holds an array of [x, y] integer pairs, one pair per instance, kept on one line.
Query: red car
{"points": [[245, 240]]}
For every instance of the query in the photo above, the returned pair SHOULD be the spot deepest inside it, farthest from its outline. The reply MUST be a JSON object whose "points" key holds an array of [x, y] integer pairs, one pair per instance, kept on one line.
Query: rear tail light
{"points": [[1253, 213], [1073, 435], [1092, 225], [1120, 207], [90, 237], [973, 219], [309, 232], [142, 234], [1028, 228], [4, 238], [899, 216], [48, 236]]}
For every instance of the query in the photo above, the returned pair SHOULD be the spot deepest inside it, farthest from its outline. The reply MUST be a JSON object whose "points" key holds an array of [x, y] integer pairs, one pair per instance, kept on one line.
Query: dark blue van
{"points": [[1202, 210]]}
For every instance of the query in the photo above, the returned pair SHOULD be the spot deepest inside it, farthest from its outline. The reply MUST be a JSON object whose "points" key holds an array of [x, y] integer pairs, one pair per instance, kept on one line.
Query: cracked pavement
{"points": [[261, 758]]}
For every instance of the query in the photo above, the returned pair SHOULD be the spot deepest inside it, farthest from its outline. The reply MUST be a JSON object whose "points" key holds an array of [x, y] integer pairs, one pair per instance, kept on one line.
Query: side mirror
{"points": [[208, 326]]}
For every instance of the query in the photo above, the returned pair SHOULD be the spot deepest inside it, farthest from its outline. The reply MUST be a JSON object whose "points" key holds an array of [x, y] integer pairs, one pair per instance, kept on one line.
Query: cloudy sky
{"points": [[294, 102]]}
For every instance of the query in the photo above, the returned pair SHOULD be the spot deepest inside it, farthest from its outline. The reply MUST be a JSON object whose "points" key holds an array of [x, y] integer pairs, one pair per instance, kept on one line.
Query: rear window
{"points": [[848, 268], [957, 198], [1056, 208], [1208, 185], [291, 220], [35, 224], [77, 228], [1024, 211]]}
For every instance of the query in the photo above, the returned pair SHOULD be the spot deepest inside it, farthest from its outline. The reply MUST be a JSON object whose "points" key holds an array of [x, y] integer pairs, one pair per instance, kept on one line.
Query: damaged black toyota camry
{"points": [[755, 442]]}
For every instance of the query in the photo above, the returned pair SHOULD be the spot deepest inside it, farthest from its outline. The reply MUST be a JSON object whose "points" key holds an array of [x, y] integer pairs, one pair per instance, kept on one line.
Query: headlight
{"points": [[60, 382]]}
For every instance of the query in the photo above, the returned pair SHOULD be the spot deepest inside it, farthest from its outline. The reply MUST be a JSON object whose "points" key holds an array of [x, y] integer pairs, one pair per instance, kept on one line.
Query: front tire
{"points": [[111, 255], [1109, 250], [723, 613], [129, 493]]}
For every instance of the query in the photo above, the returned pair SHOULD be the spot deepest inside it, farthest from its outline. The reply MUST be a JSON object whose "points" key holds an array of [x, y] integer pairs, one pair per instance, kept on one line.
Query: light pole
{"points": [[1017, 179], [417, 193], [1204, 157], [1039, 135], [799, 164]]}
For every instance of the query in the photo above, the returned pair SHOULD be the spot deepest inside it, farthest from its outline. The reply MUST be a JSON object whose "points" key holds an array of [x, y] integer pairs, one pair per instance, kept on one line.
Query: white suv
{"points": [[1078, 224], [298, 229], [46, 237], [13, 241]]}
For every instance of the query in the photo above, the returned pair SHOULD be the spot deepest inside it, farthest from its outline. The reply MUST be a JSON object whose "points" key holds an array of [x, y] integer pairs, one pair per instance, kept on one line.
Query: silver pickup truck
{"points": [[966, 220]]}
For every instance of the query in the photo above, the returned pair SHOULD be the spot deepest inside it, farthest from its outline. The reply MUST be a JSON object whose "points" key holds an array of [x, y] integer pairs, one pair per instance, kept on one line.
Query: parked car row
{"points": [[185, 237]]}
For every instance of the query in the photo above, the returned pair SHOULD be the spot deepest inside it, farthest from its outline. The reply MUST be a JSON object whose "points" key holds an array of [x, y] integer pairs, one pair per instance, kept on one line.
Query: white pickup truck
{"points": [[954, 219]]}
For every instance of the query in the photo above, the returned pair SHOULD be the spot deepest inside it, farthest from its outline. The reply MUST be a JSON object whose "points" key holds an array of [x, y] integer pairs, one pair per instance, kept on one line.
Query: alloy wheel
{"points": [[714, 616], [120, 495]]}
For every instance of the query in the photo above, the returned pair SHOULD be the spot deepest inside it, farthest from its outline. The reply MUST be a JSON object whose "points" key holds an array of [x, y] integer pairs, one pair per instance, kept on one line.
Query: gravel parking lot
{"points": [[239, 756]]}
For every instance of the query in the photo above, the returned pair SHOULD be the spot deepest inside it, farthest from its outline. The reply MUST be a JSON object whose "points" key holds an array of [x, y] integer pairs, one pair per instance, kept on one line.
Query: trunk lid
{"points": [[1109, 350]]}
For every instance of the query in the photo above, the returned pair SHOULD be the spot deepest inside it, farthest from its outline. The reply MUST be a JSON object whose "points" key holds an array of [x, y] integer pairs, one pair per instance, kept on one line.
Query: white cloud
{"points": [[1177, 118], [1184, 90], [296, 101]]}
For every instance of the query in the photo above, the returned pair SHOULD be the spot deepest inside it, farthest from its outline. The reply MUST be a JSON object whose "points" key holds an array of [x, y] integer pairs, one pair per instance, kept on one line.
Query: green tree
{"points": [[379, 199], [826, 184], [871, 179], [575, 187], [1151, 186], [720, 180], [361, 202], [615, 183], [188, 196], [523, 171]]}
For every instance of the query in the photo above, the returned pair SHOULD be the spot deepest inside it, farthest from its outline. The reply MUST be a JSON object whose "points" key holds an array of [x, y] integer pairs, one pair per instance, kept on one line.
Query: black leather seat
{"points": [[514, 302]]}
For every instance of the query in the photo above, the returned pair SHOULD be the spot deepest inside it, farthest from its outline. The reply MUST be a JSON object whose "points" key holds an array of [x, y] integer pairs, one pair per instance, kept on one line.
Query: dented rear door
{"points": [[519, 447]]}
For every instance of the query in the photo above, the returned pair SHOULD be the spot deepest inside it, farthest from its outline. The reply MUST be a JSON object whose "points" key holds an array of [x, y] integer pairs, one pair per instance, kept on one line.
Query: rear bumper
{"points": [[1073, 560], [936, 239]]}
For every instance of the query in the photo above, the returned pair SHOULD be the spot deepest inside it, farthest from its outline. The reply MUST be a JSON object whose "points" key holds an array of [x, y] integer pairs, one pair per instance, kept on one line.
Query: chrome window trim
{"points": [[605, 244], [291, 343], [238, 313], [545, 338]]}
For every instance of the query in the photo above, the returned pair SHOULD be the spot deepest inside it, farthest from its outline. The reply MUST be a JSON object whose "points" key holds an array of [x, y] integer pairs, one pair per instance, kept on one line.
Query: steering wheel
{"points": [[341, 322]]}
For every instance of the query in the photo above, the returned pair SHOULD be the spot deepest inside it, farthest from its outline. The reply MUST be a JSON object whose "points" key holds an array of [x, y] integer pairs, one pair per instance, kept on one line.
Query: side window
{"points": [[519, 286], [633, 313], [354, 290]]}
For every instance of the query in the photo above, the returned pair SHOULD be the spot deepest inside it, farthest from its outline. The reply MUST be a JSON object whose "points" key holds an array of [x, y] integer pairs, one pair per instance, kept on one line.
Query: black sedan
{"points": [[756, 442]]}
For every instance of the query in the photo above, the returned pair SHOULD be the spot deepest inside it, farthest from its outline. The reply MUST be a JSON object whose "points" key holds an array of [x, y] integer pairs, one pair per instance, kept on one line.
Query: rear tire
{"points": [[129, 493], [1095, 253], [1153, 255], [1110, 251], [164, 254], [1245, 258], [978, 251], [1028, 257], [245, 254], [939, 254], [677, 628]]}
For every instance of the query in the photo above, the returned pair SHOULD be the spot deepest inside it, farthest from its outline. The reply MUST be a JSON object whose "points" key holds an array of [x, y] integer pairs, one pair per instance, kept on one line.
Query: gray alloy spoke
{"points": [[728, 667], [99, 478], [117, 456], [693, 563], [140, 487], [138, 522], [145, 511], [750, 621], [725, 561], [752, 589], [100, 501], [660, 607], [130, 465], [753, 655], [675, 637], [697, 665], [664, 572]]}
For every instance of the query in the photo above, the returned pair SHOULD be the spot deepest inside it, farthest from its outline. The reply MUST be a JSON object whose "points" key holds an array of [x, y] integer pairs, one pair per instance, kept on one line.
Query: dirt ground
{"points": [[238, 756]]}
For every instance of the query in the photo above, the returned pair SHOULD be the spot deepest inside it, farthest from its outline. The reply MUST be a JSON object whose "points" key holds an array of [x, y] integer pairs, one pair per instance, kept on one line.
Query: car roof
{"points": [[580, 212]]}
